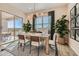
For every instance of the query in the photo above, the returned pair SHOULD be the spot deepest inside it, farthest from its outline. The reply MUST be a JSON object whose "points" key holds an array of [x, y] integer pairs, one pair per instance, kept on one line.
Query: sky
{"points": [[17, 24]]}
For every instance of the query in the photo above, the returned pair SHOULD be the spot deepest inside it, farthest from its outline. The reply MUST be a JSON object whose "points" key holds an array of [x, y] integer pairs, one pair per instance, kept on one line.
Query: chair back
{"points": [[21, 37], [35, 38], [54, 37]]}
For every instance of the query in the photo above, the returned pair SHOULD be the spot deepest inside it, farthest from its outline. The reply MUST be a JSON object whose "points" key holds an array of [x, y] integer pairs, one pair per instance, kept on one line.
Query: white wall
{"points": [[73, 43]]}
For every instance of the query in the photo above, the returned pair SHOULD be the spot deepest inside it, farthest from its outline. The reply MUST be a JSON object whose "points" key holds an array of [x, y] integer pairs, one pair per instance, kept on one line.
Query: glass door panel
{"points": [[18, 26], [10, 27], [7, 27]]}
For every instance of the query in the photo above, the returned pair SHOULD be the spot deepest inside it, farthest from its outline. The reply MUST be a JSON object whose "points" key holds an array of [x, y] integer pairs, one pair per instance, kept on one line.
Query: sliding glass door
{"points": [[7, 27], [18, 23], [10, 25]]}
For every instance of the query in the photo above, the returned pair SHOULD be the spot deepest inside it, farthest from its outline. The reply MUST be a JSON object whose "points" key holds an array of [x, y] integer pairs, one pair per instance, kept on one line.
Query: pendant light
{"points": [[34, 17], [34, 14]]}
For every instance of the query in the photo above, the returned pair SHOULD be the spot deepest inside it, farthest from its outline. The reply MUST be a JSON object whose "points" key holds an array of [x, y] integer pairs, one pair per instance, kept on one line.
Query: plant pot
{"points": [[61, 40]]}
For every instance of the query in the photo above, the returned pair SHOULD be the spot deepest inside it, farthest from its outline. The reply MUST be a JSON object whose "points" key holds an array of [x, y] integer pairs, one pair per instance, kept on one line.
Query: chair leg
{"points": [[38, 50], [30, 48], [38, 47], [18, 44], [23, 47], [56, 50]]}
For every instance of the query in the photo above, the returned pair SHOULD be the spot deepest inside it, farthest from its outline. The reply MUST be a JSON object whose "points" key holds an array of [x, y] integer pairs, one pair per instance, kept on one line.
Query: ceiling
{"points": [[29, 7], [6, 15]]}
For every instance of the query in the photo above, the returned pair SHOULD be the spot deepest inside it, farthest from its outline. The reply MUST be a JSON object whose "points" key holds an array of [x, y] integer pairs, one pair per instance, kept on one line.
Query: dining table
{"points": [[44, 36]]}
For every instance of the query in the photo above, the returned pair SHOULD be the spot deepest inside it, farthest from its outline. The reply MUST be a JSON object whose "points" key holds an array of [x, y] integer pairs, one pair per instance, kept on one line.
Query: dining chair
{"points": [[35, 41], [22, 41], [54, 44]]}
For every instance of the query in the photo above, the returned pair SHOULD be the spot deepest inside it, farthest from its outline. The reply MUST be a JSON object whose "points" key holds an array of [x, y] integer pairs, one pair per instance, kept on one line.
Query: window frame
{"points": [[42, 24], [75, 28]]}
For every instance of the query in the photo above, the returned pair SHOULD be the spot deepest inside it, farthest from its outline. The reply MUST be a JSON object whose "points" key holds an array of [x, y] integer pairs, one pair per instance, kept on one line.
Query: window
{"points": [[38, 20], [10, 23], [15, 24], [75, 22], [45, 22], [42, 22], [18, 23]]}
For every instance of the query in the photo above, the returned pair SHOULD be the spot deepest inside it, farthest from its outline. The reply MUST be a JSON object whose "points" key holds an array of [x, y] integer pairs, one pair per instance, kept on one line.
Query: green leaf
{"points": [[27, 26], [61, 26]]}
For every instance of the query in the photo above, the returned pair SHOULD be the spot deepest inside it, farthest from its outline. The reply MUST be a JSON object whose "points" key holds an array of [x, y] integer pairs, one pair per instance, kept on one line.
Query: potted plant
{"points": [[27, 26], [61, 27]]}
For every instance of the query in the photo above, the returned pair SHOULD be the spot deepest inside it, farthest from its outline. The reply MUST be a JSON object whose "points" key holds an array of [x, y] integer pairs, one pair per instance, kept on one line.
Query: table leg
{"points": [[47, 45]]}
